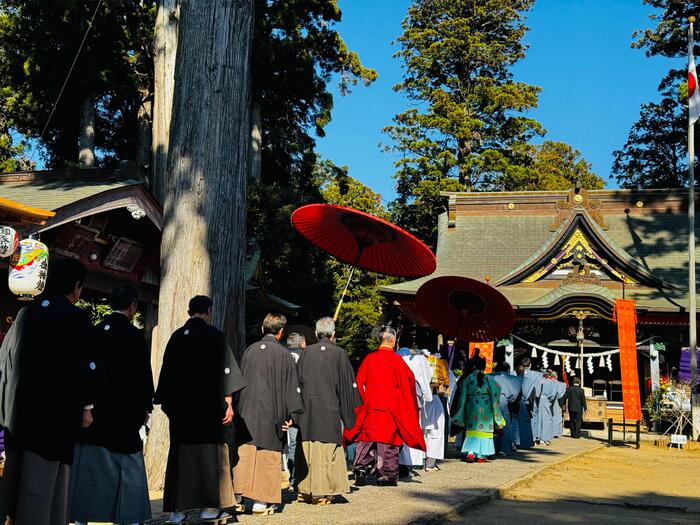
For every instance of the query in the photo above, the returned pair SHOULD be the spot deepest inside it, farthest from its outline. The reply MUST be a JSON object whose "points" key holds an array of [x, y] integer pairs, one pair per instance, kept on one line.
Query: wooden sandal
{"points": [[268, 511]]}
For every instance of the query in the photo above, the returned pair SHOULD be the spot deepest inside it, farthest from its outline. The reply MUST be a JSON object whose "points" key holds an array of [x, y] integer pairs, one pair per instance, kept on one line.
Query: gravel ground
{"points": [[426, 497], [615, 485]]}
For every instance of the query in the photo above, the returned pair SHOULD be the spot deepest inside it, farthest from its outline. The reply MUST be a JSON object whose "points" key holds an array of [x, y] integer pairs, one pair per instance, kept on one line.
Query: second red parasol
{"points": [[465, 309]]}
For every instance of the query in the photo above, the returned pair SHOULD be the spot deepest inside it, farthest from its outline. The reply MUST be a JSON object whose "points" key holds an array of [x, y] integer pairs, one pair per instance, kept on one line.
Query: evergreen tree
{"points": [[468, 129], [38, 41], [654, 155]]}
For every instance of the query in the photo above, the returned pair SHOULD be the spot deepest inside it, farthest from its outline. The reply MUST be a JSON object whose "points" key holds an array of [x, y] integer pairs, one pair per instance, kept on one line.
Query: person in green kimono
{"points": [[476, 410]]}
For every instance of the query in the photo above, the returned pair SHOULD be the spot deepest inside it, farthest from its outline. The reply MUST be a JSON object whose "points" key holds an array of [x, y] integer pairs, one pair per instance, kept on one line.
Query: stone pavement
{"points": [[431, 497]]}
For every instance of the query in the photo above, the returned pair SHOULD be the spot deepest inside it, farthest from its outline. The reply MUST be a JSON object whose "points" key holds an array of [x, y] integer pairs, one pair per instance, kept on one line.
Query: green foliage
{"points": [[362, 307], [655, 154], [38, 41], [468, 129], [552, 166], [669, 37], [296, 53], [97, 310]]}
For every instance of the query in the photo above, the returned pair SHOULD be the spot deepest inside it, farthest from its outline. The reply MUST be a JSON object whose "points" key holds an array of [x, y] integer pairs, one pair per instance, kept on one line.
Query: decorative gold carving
{"points": [[511, 205], [452, 212], [581, 274], [578, 200]]}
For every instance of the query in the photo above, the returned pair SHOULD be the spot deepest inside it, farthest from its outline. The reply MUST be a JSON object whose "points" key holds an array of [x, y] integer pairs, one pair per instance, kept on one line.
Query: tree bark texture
{"points": [[167, 18], [144, 139], [203, 244], [86, 142]]}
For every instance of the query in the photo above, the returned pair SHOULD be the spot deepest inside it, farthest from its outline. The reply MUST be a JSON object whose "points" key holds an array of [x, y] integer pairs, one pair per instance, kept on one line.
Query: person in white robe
{"points": [[434, 429], [417, 362]]}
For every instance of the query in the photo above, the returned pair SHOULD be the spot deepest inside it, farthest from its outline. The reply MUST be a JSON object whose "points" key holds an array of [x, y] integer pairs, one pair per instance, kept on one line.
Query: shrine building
{"points": [[562, 259]]}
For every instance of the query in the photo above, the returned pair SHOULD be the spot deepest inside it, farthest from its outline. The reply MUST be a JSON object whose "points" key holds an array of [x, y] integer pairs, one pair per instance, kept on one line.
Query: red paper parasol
{"points": [[465, 309], [364, 241]]}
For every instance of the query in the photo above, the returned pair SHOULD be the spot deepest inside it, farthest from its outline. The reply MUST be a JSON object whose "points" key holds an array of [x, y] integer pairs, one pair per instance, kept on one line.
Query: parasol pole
{"points": [[342, 296]]}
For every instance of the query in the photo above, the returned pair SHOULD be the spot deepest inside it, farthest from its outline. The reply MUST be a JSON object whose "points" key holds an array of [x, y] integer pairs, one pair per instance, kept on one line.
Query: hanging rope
{"points": [[536, 347], [65, 82]]}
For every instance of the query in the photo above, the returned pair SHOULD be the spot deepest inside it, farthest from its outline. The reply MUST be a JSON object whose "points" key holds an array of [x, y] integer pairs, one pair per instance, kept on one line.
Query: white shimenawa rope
{"points": [[574, 354]]}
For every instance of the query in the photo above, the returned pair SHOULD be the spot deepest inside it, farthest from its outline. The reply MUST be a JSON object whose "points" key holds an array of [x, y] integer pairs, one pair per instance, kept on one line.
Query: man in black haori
{"points": [[197, 381], [265, 410], [47, 382], [330, 395], [108, 478]]}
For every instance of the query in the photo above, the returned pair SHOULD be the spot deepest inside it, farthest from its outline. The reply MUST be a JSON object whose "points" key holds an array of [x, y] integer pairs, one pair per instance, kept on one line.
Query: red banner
{"points": [[626, 318], [485, 351]]}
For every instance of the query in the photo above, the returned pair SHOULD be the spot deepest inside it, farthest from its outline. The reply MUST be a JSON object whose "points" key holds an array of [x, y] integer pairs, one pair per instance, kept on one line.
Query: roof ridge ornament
{"points": [[577, 201]]}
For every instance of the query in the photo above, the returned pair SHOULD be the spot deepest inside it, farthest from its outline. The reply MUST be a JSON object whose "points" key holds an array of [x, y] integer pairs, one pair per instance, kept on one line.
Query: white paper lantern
{"points": [[9, 241], [601, 363], [556, 360], [534, 352], [28, 269], [578, 363]]}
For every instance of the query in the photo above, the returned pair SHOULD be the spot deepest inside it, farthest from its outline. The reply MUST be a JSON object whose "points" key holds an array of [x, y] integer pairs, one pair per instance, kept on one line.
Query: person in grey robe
{"points": [[548, 398], [330, 396], [558, 409], [528, 424], [108, 477], [266, 407], [48, 385], [511, 390], [197, 382]]}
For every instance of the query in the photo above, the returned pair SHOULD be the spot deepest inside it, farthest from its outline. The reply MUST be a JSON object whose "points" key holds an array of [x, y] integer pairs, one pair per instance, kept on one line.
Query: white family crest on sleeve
{"points": [[227, 370]]}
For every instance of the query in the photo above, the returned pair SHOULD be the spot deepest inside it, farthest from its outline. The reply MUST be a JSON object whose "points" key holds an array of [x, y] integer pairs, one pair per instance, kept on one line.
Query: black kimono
{"points": [[329, 393], [108, 478], [199, 370], [272, 396], [46, 379], [125, 391]]}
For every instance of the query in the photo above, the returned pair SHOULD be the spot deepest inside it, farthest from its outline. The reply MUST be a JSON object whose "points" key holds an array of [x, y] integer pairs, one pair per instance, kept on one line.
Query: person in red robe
{"points": [[388, 417]]}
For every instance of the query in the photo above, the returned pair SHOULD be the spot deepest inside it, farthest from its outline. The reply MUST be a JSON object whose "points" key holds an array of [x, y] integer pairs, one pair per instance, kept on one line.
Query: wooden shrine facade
{"points": [[562, 259], [108, 219]]}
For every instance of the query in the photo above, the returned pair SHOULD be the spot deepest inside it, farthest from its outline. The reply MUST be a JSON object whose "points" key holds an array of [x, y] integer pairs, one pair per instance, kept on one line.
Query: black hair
{"points": [[479, 364], [123, 296], [526, 362], [199, 304], [577, 381], [63, 275]]}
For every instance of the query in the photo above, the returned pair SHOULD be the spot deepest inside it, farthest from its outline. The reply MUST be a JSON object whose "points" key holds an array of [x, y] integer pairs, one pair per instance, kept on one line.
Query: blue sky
{"points": [[592, 81]]}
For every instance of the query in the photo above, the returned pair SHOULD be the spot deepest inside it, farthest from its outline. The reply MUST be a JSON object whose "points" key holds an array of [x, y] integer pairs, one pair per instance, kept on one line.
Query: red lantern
{"points": [[28, 269]]}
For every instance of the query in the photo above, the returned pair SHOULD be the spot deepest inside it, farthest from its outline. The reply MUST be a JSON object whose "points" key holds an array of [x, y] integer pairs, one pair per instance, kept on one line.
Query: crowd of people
{"points": [[76, 398]]}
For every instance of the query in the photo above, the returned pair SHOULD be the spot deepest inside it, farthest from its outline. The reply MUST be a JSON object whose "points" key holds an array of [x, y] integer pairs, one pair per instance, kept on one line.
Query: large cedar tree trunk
{"points": [[167, 18], [203, 245]]}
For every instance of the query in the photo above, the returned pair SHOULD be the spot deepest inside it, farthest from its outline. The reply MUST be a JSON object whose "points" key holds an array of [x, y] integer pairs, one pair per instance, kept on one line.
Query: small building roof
{"points": [[15, 212]]}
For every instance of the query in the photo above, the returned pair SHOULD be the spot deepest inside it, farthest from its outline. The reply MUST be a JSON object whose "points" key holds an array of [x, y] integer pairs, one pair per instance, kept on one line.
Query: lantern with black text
{"points": [[28, 269], [9, 241]]}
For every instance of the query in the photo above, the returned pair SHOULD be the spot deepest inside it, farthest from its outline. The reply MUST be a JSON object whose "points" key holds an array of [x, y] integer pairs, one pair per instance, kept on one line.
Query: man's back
{"points": [[576, 399], [46, 377], [271, 395], [329, 392], [198, 371], [125, 391]]}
